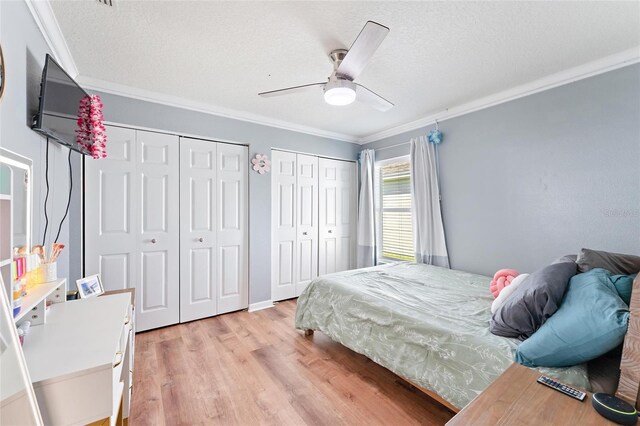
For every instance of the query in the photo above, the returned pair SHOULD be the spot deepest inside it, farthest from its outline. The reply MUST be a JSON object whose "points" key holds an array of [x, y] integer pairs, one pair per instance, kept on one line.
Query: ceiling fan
{"points": [[347, 65]]}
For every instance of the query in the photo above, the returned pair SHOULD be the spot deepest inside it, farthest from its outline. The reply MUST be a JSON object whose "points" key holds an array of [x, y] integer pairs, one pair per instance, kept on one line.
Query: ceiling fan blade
{"points": [[362, 50], [291, 90], [368, 97]]}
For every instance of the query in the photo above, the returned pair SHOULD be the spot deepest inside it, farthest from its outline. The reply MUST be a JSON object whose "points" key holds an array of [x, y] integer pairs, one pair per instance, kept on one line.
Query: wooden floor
{"points": [[256, 368]]}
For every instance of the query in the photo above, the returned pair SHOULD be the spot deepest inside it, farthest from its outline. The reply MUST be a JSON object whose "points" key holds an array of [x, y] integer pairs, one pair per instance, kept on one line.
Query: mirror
{"points": [[15, 209], [18, 403]]}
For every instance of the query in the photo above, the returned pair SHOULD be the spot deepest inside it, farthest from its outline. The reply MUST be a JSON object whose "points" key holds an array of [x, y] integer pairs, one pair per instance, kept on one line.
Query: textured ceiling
{"points": [[437, 55]]}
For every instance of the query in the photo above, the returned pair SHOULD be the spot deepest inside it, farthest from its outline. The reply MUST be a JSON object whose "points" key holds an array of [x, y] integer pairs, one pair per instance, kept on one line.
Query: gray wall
{"points": [[260, 139], [530, 180], [24, 51]]}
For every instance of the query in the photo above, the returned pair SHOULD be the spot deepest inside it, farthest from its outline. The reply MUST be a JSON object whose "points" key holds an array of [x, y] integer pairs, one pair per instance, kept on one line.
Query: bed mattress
{"points": [[427, 324]]}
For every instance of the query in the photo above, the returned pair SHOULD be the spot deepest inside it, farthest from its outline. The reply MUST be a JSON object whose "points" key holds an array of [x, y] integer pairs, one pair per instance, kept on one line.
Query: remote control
{"points": [[562, 388]]}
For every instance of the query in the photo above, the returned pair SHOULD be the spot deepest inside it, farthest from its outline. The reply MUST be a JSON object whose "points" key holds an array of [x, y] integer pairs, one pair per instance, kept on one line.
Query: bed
{"points": [[429, 325]]}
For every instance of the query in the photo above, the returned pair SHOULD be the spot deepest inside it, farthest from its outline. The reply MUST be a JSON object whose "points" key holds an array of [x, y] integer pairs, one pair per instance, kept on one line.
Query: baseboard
{"points": [[266, 304]]}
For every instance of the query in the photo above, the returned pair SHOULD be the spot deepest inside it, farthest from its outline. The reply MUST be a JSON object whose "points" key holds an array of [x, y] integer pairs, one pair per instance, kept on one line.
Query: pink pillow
{"points": [[501, 279]]}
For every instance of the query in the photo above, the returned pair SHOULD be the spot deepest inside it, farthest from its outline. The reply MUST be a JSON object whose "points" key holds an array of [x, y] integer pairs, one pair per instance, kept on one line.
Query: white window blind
{"points": [[393, 183]]}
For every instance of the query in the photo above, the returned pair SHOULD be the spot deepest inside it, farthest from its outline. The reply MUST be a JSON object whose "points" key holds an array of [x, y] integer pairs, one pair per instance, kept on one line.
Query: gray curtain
{"points": [[366, 237], [428, 230]]}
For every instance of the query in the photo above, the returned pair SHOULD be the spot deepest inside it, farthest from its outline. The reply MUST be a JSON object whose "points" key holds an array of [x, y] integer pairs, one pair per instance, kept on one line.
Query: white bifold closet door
{"points": [[232, 228], [338, 215], [213, 228], [306, 221], [294, 223], [168, 217], [198, 237], [132, 221], [111, 222]]}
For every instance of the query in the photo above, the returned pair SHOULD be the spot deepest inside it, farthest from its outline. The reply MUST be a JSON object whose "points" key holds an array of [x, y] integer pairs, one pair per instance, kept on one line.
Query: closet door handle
{"points": [[304, 233], [330, 231], [200, 239], [153, 241]]}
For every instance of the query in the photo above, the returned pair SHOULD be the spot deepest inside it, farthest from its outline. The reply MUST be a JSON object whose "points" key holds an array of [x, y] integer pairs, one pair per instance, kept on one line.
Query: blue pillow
{"points": [[591, 321], [624, 285]]}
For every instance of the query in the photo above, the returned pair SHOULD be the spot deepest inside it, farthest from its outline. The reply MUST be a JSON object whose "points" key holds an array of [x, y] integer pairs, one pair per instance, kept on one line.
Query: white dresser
{"points": [[81, 362]]}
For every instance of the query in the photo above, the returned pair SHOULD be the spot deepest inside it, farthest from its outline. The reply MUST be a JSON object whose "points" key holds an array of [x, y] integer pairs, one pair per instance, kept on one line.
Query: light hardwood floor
{"points": [[255, 368]]}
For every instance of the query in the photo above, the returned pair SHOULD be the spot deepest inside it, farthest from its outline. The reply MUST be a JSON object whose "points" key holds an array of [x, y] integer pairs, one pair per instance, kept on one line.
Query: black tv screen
{"points": [[60, 98]]}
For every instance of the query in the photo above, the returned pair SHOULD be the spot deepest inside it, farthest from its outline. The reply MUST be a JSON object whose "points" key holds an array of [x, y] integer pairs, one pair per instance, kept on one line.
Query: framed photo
{"points": [[90, 286]]}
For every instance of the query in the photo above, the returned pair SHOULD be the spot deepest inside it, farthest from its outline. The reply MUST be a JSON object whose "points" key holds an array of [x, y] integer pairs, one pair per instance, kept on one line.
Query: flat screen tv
{"points": [[60, 98]]}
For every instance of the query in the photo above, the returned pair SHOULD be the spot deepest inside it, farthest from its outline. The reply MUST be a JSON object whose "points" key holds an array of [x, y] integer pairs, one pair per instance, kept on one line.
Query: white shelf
{"points": [[5, 262], [5, 197], [37, 294]]}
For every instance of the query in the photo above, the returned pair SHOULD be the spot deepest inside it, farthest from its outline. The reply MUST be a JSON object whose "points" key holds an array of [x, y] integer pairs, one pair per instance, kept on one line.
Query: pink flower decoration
{"points": [[91, 135]]}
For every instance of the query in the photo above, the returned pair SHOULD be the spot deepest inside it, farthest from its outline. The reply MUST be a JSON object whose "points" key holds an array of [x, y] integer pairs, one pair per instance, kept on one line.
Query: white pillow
{"points": [[506, 292]]}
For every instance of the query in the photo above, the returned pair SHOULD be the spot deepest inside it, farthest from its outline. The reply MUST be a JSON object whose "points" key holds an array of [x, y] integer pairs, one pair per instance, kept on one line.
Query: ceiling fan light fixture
{"points": [[340, 89], [340, 92]]}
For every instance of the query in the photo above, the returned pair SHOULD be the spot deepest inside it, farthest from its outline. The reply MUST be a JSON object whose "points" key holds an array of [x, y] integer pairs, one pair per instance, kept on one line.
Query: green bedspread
{"points": [[424, 323]]}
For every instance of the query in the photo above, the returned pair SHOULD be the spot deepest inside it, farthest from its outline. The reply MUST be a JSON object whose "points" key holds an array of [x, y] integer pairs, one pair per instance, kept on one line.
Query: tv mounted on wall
{"points": [[60, 98]]}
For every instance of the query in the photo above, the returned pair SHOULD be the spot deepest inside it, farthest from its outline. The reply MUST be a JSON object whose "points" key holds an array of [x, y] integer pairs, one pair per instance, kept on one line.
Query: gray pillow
{"points": [[533, 302], [617, 264], [566, 258]]}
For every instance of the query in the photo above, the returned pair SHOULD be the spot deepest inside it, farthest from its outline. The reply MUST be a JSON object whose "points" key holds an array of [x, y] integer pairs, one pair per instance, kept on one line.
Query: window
{"points": [[393, 208]]}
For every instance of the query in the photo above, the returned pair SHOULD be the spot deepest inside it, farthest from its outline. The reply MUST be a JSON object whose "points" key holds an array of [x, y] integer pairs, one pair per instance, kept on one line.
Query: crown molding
{"points": [[183, 103], [46, 21], [590, 69]]}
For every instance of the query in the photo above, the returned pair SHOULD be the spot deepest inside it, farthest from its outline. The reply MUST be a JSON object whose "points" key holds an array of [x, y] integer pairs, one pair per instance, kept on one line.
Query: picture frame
{"points": [[90, 286]]}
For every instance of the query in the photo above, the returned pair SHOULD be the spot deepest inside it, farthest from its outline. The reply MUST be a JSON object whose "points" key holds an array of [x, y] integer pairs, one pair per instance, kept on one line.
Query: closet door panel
{"points": [[154, 291], [201, 281], [283, 225], [232, 224], [328, 200], [284, 273], [115, 189], [307, 221], [338, 213], [344, 260], [155, 203], [348, 214], [198, 238], [110, 225], [158, 242], [114, 270]]}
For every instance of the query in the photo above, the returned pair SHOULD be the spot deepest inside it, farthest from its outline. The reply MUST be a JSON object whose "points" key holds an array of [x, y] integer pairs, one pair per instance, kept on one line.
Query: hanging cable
{"points": [[46, 198], [66, 213]]}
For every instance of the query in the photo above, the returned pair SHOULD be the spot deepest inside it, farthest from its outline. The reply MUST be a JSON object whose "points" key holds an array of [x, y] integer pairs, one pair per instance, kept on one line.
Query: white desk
{"points": [[79, 359]]}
